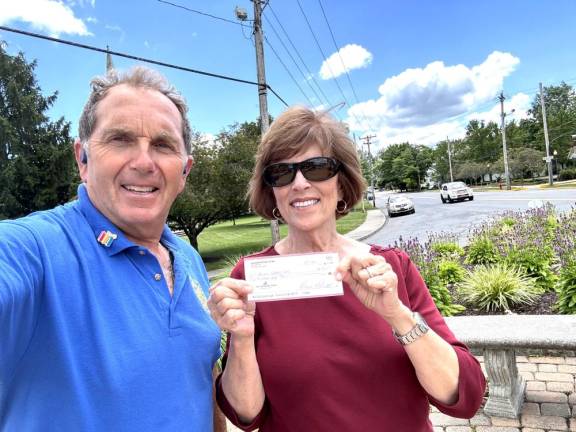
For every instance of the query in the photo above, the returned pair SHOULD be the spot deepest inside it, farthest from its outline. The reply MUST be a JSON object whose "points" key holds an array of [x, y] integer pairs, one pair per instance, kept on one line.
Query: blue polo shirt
{"points": [[90, 338]]}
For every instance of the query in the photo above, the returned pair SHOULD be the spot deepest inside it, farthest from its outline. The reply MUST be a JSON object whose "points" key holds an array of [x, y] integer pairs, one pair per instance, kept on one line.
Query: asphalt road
{"points": [[433, 216]]}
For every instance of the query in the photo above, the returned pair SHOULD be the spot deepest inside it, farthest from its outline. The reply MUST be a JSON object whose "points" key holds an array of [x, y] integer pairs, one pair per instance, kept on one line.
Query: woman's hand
{"points": [[374, 282], [230, 308]]}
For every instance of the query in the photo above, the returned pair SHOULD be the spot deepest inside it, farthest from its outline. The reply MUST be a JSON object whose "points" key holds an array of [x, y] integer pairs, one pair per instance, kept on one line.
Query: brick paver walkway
{"points": [[549, 403]]}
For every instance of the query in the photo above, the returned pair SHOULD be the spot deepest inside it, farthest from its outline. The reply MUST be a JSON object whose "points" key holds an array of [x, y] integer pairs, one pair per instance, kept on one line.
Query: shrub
{"points": [[535, 262], [567, 174], [497, 287], [482, 251], [441, 295], [447, 249], [450, 271], [566, 288]]}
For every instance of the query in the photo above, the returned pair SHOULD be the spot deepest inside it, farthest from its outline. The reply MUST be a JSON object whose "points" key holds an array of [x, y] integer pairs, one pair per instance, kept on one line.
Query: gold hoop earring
{"points": [[276, 214], [341, 210]]}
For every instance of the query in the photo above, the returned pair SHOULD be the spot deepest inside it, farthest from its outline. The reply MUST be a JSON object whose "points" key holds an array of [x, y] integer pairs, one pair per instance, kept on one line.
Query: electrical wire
{"points": [[287, 70], [310, 74], [292, 58], [325, 59], [142, 59], [201, 13]]}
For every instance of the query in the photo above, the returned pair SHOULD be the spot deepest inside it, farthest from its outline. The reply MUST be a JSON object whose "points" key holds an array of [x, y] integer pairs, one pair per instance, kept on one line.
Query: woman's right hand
{"points": [[230, 308]]}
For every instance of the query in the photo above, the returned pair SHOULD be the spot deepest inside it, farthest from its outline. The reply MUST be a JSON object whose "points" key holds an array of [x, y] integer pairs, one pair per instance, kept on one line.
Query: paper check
{"points": [[288, 277]]}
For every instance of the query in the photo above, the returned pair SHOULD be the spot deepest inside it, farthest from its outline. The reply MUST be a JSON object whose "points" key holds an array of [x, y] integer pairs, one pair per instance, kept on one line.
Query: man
{"points": [[103, 322]]}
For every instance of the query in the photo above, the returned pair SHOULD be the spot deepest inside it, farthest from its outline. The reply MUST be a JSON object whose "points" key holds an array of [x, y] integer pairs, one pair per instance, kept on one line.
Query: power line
{"points": [[341, 59], [321, 51], [201, 13], [287, 70], [310, 74], [292, 58], [142, 59]]}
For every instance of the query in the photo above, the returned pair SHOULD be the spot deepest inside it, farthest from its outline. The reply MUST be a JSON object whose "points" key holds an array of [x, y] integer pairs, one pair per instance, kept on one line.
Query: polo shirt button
{"points": [[142, 252], [157, 276]]}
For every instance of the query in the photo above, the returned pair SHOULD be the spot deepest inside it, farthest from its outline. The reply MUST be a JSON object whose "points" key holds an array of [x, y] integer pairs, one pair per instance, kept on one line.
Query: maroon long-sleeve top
{"points": [[330, 364]]}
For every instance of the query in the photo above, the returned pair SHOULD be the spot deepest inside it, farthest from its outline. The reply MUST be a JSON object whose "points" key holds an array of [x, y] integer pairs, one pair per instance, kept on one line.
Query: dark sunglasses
{"points": [[314, 169]]}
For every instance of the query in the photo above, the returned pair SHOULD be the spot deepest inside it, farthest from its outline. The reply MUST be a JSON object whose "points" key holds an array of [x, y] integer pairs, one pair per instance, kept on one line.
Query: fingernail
{"points": [[339, 276]]}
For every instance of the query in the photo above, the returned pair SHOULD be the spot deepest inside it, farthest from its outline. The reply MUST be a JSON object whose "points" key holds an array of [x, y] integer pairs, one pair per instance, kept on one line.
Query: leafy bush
{"points": [[440, 293], [566, 288], [567, 174], [535, 262], [450, 271], [447, 249], [482, 251], [497, 287]]}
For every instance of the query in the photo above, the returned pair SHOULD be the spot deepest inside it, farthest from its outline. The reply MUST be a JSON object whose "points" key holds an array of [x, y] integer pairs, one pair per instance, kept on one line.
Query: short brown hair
{"points": [[295, 129], [137, 77]]}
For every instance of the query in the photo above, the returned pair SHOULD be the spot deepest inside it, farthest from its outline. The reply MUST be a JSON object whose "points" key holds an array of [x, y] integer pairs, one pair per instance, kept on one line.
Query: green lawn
{"points": [[225, 242]]}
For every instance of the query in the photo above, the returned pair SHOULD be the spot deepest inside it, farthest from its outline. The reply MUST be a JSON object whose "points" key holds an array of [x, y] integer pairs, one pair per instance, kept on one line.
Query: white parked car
{"points": [[455, 191], [399, 204]]}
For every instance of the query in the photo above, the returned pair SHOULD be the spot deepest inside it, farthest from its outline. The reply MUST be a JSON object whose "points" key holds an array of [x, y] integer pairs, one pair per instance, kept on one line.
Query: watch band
{"points": [[419, 329]]}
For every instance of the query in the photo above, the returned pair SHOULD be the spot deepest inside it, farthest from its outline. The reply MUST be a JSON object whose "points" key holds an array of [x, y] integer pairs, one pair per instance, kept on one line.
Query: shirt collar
{"points": [[108, 235]]}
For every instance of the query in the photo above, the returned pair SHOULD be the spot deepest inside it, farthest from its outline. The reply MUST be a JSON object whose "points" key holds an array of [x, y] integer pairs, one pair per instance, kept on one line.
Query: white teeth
{"points": [[141, 189], [307, 203]]}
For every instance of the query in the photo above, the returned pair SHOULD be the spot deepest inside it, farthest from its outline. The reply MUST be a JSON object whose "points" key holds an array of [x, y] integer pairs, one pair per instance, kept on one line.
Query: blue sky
{"points": [[420, 70]]}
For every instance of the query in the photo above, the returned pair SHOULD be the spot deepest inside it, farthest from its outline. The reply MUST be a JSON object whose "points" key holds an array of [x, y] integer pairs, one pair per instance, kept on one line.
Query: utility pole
{"points": [[262, 87], [450, 159], [548, 158], [109, 64], [504, 149], [367, 142]]}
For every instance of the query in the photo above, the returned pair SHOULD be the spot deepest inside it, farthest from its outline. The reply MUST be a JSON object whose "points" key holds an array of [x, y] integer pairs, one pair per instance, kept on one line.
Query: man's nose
{"points": [[142, 158]]}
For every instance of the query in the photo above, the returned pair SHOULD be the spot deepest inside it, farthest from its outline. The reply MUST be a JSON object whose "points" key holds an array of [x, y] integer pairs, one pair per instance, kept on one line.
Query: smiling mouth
{"points": [[140, 189], [304, 204]]}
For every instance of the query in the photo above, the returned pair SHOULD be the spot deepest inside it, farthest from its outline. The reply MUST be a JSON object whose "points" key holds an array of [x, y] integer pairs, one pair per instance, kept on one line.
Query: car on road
{"points": [[399, 204], [455, 191]]}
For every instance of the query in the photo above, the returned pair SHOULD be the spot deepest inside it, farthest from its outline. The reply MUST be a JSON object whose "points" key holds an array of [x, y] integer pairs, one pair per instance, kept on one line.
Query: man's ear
{"points": [[81, 159], [188, 165], [185, 171]]}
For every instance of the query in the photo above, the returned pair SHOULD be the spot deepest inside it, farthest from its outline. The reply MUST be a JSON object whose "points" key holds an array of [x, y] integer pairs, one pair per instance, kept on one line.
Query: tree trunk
{"points": [[193, 238]]}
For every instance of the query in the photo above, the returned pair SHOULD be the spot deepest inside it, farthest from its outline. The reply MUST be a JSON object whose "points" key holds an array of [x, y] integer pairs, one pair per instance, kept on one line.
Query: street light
{"points": [[555, 170]]}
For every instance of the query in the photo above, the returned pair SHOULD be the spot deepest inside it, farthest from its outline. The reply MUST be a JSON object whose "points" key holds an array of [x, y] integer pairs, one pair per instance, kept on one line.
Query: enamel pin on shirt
{"points": [[106, 238]]}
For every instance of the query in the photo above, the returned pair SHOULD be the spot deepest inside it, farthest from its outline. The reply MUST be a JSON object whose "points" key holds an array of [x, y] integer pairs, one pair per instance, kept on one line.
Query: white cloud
{"points": [[349, 57], [52, 16], [516, 108], [82, 3], [210, 139], [116, 28], [421, 103], [92, 20]]}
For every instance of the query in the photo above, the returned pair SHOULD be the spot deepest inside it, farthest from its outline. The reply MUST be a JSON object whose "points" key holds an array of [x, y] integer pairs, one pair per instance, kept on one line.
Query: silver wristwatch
{"points": [[419, 329]]}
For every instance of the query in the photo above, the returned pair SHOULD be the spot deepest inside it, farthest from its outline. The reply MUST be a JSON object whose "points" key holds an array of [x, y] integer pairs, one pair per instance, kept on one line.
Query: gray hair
{"points": [[138, 76]]}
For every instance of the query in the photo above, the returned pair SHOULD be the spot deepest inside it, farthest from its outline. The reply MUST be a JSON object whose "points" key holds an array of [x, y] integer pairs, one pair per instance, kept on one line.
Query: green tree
{"points": [[483, 142], [36, 159], [236, 158], [403, 166], [217, 184], [561, 119]]}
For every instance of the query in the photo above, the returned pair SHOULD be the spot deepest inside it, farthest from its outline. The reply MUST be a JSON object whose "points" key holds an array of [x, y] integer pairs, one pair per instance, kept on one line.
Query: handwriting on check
{"points": [[293, 276]]}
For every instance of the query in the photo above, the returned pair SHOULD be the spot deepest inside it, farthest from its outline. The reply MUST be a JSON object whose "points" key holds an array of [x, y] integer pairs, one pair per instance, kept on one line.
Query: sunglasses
{"points": [[314, 169]]}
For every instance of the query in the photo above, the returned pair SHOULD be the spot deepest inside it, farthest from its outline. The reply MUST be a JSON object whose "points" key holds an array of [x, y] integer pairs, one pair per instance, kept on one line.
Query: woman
{"points": [[370, 360]]}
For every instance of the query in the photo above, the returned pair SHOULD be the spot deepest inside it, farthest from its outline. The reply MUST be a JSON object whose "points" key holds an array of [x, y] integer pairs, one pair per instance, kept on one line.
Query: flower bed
{"points": [[518, 262]]}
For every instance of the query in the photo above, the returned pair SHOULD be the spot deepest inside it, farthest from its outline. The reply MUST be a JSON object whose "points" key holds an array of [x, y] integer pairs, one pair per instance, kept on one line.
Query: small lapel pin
{"points": [[106, 238]]}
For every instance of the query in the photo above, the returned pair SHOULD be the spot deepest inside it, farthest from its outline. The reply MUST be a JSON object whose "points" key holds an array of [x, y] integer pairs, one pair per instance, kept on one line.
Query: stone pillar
{"points": [[506, 386]]}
